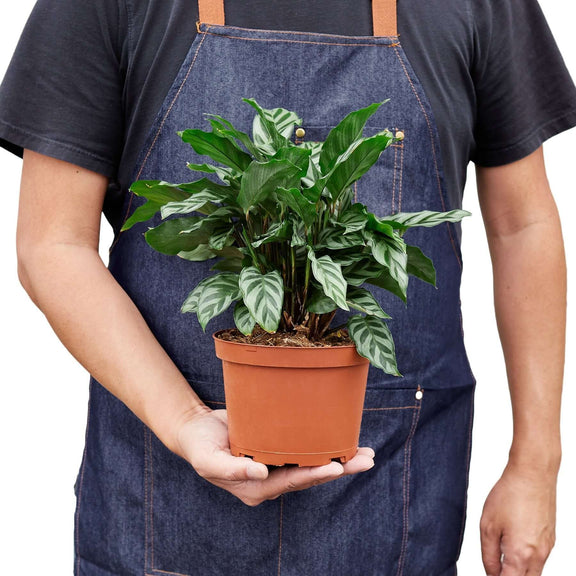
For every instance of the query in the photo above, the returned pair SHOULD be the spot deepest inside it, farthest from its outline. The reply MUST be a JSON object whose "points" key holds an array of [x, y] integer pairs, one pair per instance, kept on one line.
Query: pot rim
{"points": [[215, 336]]}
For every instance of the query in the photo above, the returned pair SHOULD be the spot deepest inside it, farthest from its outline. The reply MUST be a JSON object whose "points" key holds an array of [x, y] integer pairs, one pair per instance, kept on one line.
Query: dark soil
{"points": [[299, 337]]}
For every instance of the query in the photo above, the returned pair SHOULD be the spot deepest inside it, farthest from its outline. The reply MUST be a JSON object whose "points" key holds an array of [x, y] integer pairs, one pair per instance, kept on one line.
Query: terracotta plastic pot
{"points": [[290, 405]]}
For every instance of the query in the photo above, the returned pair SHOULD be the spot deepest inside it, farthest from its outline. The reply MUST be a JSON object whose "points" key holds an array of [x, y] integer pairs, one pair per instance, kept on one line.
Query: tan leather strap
{"points": [[211, 11], [383, 15], [384, 18]]}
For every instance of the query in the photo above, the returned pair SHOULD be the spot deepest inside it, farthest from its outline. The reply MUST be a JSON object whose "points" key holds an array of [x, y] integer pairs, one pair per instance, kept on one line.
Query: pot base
{"points": [[283, 458]]}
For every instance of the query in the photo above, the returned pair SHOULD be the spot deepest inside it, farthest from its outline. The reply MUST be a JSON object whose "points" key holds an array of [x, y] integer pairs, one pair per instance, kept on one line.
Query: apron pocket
{"points": [[380, 189], [344, 527]]}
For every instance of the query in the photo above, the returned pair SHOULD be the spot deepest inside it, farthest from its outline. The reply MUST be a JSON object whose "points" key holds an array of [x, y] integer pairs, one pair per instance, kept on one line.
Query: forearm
{"points": [[102, 328], [530, 302]]}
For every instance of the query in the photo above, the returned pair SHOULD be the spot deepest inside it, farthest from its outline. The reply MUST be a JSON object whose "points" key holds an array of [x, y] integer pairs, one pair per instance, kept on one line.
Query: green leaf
{"points": [[191, 204], [363, 300], [333, 239], [201, 253], [178, 235], [384, 280], [212, 296], [219, 148], [225, 128], [420, 265], [329, 275], [263, 294], [426, 218], [374, 341], [225, 174], [298, 203], [353, 219], [360, 272], [141, 214], [379, 225], [344, 134], [295, 155], [261, 179], [160, 191], [357, 162], [277, 232], [268, 125], [319, 303], [244, 321], [391, 253], [221, 237]]}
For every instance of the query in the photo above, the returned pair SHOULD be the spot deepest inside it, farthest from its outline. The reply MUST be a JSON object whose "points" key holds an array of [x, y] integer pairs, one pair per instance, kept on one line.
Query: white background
{"points": [[43, 392]]}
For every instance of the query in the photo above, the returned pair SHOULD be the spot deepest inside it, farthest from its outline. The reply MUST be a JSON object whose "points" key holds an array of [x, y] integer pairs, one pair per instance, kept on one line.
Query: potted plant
{"points": [[292, 247]]}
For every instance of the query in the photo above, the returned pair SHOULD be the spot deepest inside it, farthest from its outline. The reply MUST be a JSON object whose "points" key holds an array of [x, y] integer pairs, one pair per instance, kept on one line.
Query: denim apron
{"points": [[141, 510]]}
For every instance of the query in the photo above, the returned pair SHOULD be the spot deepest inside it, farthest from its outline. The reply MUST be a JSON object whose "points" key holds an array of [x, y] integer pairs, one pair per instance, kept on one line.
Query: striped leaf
{"points": [[329, 274], [225, 128], [361, 271], [219, 148], [277, 232], [363, 300], [334, 239], [426, 218], [420, 265], [272, 128], [345, 133], [374, 341], [262, 178], [212, 296], [356, 163], [244, 321], [225, 174], [263, 294], [354, 219], [391, 253]]}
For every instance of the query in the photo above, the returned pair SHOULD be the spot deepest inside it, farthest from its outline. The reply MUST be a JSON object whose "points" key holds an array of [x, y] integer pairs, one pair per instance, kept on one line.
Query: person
{"points": [[158, 491]]}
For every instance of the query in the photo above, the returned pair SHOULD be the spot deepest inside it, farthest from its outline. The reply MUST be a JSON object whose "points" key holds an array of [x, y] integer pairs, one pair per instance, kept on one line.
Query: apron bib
{"points": [[143, 510]]}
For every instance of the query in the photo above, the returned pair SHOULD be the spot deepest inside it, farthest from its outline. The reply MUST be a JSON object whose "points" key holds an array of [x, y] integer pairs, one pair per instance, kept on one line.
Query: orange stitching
{"points": [[467, 469], [144, 162], [406, 488], [77, 528], [280, 534], [151, 502], [430, 131], [147, 510], [302, 41], [165, 572], [300, 33], [394, 177], [401, 177], [390, 408]]}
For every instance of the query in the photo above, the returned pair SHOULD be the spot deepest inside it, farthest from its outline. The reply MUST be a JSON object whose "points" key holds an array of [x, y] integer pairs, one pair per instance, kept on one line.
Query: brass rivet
{"points": [[419, 394], [399, 135], [300, 132]]}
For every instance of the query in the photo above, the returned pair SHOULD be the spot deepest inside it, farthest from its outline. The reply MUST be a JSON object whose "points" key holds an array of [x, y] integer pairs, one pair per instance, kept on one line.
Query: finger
{"points": [[490, 547], [363, 461], [221, 465], [291, 479]]}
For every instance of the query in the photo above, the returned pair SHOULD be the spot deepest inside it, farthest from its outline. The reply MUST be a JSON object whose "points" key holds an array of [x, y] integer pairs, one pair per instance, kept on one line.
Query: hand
{"points": [[518, 521], [203, 441]]}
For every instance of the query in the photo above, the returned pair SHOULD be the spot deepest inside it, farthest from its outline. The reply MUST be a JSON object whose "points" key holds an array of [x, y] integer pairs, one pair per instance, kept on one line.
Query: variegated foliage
{"points": [[290, 245]]}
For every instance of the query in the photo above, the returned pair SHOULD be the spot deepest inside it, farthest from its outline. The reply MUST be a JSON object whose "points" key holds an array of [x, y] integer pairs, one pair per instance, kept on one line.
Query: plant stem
{"points": [[252, 253]]}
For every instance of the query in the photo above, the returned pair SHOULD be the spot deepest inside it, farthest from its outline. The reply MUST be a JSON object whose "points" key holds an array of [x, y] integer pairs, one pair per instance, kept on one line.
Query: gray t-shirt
{"points": [[89, 76]]}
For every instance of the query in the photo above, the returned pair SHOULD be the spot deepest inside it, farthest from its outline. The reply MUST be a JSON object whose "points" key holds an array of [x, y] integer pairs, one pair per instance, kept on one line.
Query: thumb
{"points": [[223, 466], [491, 553]]}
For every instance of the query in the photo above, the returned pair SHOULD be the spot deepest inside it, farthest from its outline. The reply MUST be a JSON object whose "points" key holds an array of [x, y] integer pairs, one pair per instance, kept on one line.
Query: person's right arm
{"points": [[60, 268]]}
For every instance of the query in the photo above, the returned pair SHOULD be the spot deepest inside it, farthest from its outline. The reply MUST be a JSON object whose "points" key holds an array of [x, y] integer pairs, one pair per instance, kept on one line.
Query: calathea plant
{"points": [[291, 244]]}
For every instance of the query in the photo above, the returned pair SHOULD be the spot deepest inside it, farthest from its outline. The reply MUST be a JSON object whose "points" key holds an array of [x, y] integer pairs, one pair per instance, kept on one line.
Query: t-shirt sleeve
{"points": [[524, 91], [62, 93]]}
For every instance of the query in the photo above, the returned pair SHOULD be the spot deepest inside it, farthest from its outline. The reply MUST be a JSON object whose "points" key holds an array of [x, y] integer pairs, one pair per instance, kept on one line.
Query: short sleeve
{"points": [[524, 91], [62, 93]]}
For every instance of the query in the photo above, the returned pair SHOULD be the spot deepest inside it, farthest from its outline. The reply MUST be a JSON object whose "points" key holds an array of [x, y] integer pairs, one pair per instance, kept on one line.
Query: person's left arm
{"points": [[529, 269]]}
